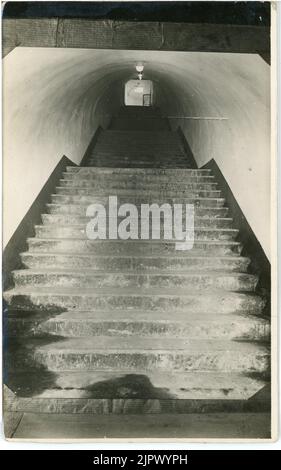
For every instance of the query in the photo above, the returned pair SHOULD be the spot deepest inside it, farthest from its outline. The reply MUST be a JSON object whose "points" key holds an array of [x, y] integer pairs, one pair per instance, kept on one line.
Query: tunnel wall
{"points": [[226, 117], [50, 110], [56, 98]]}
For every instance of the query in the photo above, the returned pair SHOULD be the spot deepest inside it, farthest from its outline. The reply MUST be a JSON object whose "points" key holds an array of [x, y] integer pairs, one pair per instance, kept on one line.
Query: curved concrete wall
{"points": [[56, 98]]}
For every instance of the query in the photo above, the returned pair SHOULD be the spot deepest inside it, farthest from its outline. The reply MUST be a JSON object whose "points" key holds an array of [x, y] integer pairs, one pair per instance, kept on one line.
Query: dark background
{"points": [[238, 13]]}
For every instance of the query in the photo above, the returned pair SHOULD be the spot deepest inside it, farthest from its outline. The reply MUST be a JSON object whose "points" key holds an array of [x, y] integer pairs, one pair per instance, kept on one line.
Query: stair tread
{"points": [[58, 270], [137, 343], [144, 256], [205, 229], [105, 169], [141, 384], [134, 192], [70, 291], [218, 378], [137, 316], [162, 241], [190, 379], [121, 216]]}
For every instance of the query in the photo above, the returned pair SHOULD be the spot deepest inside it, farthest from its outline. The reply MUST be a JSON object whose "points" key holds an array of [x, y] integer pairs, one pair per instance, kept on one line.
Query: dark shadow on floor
{"points": [[128, 386]]}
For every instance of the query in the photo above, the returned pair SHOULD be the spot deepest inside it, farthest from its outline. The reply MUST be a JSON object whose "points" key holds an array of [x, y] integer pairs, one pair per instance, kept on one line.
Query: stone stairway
{"points": [[137, 118], [135, 326], [139, 138]]}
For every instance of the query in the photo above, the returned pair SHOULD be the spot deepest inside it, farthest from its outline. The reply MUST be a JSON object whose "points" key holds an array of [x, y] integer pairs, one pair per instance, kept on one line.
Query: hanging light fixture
{"points": [[139, 69]]}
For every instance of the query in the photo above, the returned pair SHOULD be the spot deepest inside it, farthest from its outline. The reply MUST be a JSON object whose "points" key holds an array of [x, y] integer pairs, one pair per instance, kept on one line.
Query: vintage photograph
{"points": [[138, 215]]}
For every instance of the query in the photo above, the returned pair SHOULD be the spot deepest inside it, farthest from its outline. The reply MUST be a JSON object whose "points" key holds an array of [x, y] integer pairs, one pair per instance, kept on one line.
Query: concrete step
{"points": [[110, 133], [142, 384], [126, 146], [67, 204], [140, 124], [88, 278], [79, 231], [138, 139], [149, 159], [168, 263], [202, 208], [139, 323], [57, 298], [206, 248], [200, 189], [135, 156], [96, 186], [74, 219], [108, 178], [157, 172], [127, 149], [90, 196], [142, 137], [152, 162], [138, 136], [133, 352], [120, 147]]}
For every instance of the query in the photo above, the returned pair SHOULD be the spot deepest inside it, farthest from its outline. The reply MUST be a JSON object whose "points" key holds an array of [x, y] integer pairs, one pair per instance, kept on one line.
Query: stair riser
{"points": [[246, 283], [79, 231], [116, 263], [224, 303], [252, 329], [109, 247], [69, 219]]}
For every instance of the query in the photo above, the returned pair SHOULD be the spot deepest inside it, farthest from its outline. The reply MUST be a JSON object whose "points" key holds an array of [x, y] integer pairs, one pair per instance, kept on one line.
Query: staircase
{"points": [[138, 137], [113, 326]]}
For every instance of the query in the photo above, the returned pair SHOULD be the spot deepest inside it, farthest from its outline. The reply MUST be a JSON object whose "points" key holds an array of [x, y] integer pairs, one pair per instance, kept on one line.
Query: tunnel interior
{"points": [[56, 99]]}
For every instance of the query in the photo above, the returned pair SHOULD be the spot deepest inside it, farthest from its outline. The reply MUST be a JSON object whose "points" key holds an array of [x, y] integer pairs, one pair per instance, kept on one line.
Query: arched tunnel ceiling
{"points": [[56, 98], [71, 86]]}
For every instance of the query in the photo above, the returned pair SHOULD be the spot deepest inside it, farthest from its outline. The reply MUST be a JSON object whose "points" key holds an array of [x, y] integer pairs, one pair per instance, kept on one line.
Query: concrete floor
{"points": [[132, 427]]}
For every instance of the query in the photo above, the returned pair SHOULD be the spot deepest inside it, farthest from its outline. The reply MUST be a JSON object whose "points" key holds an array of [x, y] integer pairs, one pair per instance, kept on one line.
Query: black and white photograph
{"points": [[139, 221]]}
